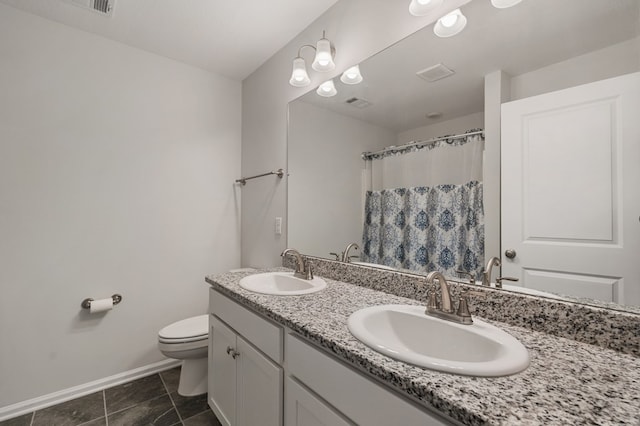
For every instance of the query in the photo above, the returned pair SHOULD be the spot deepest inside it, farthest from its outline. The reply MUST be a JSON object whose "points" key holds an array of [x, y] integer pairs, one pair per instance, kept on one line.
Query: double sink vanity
{"points": [[353, 345]]}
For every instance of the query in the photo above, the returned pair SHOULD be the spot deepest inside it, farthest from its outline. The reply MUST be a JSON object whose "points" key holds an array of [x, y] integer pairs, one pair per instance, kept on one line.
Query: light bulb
{"points": [[450, 24], [324, 58], [503, 4], [299, 76], [423, 7], [352, 75], [449, 20], [327, 89]]}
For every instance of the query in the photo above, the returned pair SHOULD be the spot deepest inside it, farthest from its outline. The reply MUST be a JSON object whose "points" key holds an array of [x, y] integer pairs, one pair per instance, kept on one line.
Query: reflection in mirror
{"points": [[542, 46]]}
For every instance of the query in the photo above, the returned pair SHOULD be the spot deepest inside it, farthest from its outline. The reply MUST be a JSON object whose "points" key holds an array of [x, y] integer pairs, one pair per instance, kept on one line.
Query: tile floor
{"points": [[152, 400]]}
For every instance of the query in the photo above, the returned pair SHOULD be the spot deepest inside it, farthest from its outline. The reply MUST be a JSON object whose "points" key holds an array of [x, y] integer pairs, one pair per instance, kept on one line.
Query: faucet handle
{"points": [[463, 307], [432, 303], [308, 270], [499, 280], [468, 275], [463, 303]]}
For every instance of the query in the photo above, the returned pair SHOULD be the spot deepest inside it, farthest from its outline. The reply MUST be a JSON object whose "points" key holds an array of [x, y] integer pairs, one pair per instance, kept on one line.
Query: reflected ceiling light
{"points": [[450, 24], [322, 62], [327, 89], [503, 4], [423, 7], [352, 75]]}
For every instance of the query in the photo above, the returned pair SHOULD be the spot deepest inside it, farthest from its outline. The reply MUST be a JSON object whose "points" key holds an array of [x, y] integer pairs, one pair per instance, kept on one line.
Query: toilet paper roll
{"points": [[101, 305]]}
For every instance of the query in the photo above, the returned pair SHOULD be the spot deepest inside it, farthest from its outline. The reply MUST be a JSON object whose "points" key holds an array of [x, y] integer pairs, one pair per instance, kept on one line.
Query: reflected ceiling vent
{"points": [[358, 103], [103, 7], [435, 73]]}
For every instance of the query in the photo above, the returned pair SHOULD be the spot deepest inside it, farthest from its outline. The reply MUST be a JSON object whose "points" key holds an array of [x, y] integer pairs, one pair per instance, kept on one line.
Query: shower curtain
{"points": [[423, 206]]}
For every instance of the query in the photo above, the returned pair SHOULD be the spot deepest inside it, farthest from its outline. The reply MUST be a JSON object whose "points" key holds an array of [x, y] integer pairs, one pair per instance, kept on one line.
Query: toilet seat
{"points": [[192, 329]]}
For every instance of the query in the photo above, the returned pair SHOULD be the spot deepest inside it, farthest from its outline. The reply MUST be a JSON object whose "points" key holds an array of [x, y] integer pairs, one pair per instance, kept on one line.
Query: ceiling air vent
{"points": [[103, 7], [435, 73], [358, 103]]}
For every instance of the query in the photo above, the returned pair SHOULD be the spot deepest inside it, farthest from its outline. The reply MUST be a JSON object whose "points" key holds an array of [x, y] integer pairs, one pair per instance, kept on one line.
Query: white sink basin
{"points": [[281, 283], [406, 333]]}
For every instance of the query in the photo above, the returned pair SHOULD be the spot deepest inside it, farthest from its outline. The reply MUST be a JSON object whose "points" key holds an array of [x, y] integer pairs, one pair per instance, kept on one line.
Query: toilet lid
{"points": [[186, 328]]}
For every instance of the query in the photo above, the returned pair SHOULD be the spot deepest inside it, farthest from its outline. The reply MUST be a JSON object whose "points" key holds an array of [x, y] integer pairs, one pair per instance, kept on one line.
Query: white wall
{"points": [[448, 127], [612, 61], [116, 176], [325, 183], [359, 29]]}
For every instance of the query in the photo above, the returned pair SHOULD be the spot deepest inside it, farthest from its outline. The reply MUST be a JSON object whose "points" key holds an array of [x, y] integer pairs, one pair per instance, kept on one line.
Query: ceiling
{"points": [[228, 37], [529, 36]]}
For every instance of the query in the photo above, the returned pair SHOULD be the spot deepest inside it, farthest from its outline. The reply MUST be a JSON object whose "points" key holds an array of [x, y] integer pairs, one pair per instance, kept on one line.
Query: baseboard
{"points": [[54, 398]]}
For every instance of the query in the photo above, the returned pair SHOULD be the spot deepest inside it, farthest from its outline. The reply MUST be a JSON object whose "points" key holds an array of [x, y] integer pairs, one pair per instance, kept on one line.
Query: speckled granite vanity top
{"points": [[567, 383]]}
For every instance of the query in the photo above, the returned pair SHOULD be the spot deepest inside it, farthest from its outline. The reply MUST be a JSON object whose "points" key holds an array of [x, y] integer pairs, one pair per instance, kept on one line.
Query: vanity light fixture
{"points": [[503, 4], [351, 75], [324, 56], [322, 62], [423, 7], [450, 24], [327, 89], [299, 76]]}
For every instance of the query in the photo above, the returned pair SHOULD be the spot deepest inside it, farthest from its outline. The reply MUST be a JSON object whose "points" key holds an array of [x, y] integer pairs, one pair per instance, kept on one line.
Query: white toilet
{"points": [[188, 340]]}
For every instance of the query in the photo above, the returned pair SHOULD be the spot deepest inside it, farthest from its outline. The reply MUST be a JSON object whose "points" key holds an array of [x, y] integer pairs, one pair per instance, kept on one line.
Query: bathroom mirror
{"points": [[393, 106]]}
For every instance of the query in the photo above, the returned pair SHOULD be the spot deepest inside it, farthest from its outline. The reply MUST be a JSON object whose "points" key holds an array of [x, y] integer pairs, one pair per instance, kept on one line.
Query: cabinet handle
{"points": [[234, 354]]}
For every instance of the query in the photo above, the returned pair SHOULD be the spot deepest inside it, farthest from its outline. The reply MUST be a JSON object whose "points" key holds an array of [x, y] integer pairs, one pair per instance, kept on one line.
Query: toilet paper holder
{"points": [[86, 303]]}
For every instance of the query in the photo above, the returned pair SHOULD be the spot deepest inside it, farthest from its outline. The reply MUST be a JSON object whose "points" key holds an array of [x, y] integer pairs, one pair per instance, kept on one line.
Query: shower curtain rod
{"points": [[367, 155]]}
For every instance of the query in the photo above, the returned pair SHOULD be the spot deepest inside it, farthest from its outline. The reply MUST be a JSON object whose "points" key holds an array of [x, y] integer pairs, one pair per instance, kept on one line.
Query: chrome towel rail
{"points": [[243, 181]]}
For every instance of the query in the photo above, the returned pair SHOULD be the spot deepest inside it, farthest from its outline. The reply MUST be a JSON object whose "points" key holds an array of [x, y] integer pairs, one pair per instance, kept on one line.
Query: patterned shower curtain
{"points": [[434, 226]]}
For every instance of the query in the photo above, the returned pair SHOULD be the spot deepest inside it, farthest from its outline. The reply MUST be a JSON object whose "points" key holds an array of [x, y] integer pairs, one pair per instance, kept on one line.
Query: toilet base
{"points": [[193, 377]]}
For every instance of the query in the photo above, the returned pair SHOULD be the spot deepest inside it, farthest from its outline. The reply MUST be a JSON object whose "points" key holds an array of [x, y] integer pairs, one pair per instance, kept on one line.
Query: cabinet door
{"points": [[222, 372], [259, 388], [303, 408]]}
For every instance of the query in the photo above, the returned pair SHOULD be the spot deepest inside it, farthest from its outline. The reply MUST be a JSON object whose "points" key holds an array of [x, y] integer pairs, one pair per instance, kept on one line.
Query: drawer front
{"points": [[358, 397], [303, 408], [262, 333]]}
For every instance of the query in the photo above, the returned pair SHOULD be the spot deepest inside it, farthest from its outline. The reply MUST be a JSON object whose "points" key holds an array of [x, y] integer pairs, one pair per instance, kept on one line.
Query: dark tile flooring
{"points": [[152, 400]]}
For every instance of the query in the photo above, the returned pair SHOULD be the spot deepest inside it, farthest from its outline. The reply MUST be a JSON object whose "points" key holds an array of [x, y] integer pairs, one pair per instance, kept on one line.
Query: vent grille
{"points": [[103, 7], [358, 103], [435, 73]]}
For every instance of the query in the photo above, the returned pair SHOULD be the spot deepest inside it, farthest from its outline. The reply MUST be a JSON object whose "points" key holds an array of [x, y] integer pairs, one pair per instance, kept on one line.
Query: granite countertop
{"points": [[567, 382]]}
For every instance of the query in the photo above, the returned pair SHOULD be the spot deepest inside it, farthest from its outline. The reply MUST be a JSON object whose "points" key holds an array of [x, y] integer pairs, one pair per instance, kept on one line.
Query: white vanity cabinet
{"points": [[261, 375], [245, 375]]}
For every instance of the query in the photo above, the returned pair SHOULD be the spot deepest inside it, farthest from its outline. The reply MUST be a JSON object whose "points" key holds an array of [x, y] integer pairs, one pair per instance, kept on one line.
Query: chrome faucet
{"points": [[345, 253], [486, 275], [444, 310], [303, 269]]}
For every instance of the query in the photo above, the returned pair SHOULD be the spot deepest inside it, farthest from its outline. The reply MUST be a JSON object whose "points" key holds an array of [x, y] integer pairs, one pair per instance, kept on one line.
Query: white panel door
{"points": [[259, 392], [222, 372], [571, 190]]}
